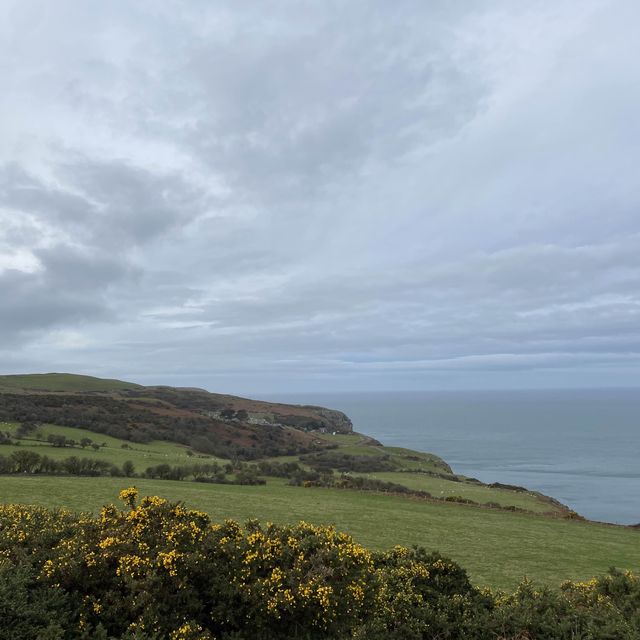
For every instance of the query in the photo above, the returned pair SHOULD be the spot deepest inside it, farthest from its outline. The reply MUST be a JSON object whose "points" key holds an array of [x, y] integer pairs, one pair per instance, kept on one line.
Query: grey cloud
{"points": [[317, 195], [289, 115], [31, 305], [23, 192], [133, 205]]}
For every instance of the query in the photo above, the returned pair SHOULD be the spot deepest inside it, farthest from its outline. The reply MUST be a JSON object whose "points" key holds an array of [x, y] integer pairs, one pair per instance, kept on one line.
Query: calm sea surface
{"points": [[581, 447]]}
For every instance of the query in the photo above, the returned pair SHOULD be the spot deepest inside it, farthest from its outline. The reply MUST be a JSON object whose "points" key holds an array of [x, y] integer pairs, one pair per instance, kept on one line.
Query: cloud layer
{"points": [[282, 196]]}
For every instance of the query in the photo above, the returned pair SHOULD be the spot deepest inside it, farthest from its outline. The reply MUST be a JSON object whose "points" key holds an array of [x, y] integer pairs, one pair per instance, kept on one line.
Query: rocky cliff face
{"points": [[335, 420], [306, 418]]}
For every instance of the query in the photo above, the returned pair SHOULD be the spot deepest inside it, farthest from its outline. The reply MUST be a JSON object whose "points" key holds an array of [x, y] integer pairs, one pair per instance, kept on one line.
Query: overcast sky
{"points": [[259, 197]]}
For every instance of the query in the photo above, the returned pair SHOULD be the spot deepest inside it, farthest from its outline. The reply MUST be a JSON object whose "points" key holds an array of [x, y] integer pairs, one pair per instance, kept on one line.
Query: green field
{"points": [[142, 455], [441, 488], [498, 548], [62, 382], [157, 452]]}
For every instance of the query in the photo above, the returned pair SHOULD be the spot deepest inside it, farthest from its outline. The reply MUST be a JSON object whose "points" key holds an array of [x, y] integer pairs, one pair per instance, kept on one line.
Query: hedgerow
{"points": [[155, 570]]}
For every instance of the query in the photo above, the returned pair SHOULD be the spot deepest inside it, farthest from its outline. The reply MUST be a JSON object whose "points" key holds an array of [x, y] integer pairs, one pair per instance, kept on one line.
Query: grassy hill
{"points": [[209, 423], [411, 497], [68, 382], [422, 472], [497, 547], [113, 450]]}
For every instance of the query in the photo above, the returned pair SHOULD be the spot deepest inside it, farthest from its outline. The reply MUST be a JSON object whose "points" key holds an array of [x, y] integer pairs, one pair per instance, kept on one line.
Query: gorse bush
{"points": [[155, 570]]}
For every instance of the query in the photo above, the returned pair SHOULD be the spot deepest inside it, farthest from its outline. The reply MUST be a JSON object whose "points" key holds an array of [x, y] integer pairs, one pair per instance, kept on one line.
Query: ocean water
{"points": [[579, 446]]}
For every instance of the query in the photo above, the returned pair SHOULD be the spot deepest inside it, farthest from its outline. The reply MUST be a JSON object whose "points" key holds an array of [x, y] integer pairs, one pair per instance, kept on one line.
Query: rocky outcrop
{"points": [[306, 418], [334, 420]]}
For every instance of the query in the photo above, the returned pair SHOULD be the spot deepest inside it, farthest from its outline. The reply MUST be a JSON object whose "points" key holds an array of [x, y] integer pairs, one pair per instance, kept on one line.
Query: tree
{"points": [[25, 461], [57, 440], [128, 469], [26, 428]]}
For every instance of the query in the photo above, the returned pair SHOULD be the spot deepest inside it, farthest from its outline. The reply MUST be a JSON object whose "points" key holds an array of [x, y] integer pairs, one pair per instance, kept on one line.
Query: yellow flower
{"points": [[168, 561], [129, 496], [109, 541]]}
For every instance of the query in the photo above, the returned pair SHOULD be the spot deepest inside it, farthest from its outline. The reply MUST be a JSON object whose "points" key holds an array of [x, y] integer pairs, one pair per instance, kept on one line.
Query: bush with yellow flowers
{"points": [[580, 610], [154, 570], [423, 595], [158, 568]]}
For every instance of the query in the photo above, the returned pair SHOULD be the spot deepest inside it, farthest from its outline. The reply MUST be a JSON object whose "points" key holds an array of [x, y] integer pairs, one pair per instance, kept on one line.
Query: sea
{"points": [[580, 446]]}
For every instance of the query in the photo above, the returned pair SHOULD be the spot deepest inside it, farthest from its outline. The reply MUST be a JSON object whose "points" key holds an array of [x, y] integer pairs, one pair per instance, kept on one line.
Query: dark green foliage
{"points": [[575, 614], [122, 415], [248, 476], [30, 462], [156, 570], [128, 469], [167, 472], [26, 428], [426, 596], [460, 499], [327, 460], [29, 608], [372, 484], [212, 473], [60, 441], [278, 469]]}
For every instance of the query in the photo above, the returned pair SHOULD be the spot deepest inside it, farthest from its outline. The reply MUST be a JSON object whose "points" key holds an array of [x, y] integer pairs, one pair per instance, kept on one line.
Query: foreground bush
{"points": [[156, 570]]}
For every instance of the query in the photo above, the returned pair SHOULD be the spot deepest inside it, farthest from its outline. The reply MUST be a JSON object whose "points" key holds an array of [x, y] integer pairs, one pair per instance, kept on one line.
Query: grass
{"points": [[441, 488], [142, 455], [159, 452], [358, 445], [497, 548], [62, 382]]}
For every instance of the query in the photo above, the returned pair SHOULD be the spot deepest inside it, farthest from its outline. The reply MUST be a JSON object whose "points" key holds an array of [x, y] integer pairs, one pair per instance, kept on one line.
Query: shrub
{"points": [[327, 460], [157, 566], [423, 595], [155, 570], [29, 608], [460, 499], [580, 610]]}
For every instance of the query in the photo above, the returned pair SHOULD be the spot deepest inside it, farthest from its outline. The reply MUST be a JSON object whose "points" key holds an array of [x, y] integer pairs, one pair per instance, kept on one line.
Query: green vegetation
{"points": [[442, 487], [63, 382], [361, 457], [497, 547], [113, 450], [194, 418], [156, 570], [295, 470]]}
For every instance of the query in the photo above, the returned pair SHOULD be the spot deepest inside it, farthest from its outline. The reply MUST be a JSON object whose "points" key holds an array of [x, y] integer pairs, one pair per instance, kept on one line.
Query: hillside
{"points": [[241, 458], [209, 423], [500, 535], [64, 424], [498, 548], [62, 382]]}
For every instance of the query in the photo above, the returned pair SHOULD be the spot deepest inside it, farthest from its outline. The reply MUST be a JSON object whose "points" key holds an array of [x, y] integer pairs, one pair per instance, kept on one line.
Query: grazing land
{"points": [[383, 496], [63, 382], [498, 548]]}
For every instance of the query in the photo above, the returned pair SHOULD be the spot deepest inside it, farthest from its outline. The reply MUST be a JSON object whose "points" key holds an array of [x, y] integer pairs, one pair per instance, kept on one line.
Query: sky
{"points": [[273, 197]]}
